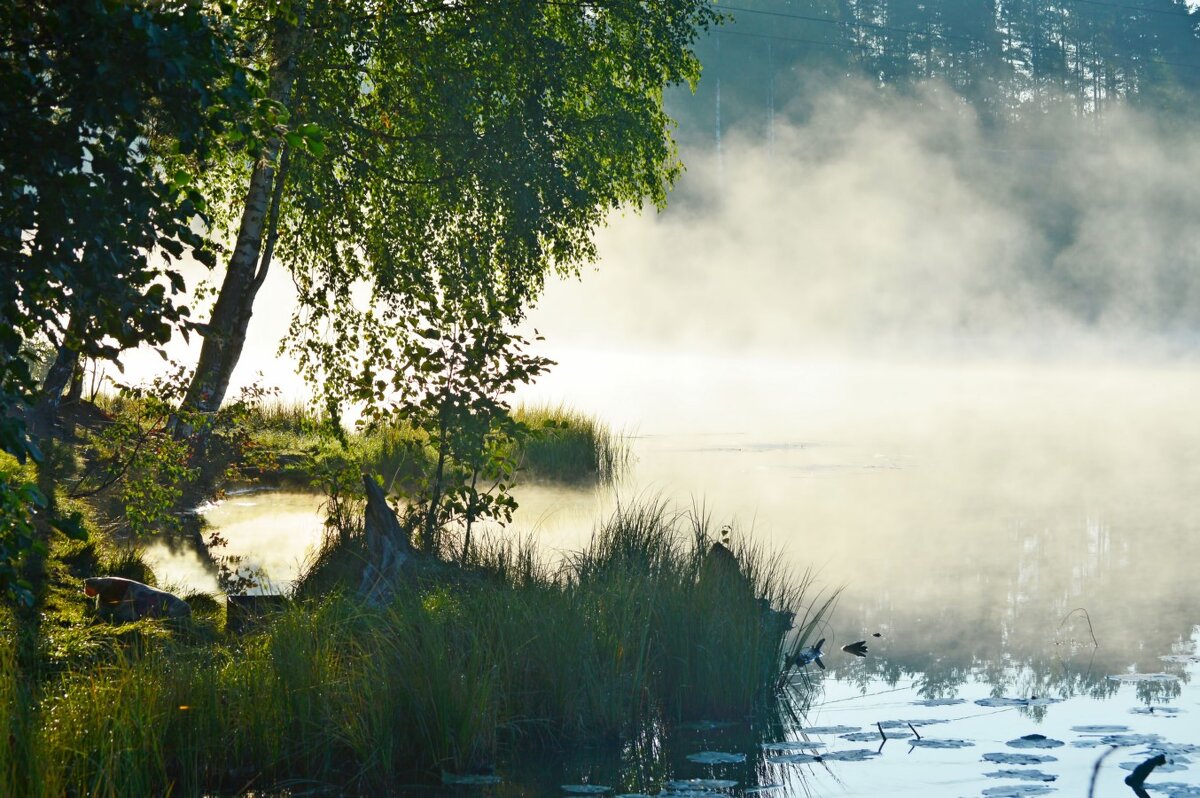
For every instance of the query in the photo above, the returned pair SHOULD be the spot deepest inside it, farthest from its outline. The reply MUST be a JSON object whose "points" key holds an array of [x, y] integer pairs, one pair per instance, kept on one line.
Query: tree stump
{"points": [[388, 547]]}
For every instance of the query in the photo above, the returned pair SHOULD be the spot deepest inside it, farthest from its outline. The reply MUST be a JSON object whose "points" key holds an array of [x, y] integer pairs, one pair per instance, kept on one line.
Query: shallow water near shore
{"points": [[1023, 539]]}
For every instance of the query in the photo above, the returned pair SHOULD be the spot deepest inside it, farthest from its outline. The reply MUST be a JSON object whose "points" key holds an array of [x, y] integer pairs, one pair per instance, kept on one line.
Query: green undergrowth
{"points": [[562, 445], [502, 653]]}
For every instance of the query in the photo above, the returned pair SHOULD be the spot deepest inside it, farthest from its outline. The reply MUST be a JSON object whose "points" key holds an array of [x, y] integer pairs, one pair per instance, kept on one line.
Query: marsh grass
{"points": [[567, 445], [507, 652]]}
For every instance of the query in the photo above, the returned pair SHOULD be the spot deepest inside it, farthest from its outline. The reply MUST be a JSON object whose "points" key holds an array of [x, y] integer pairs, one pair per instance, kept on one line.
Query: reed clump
{"points": [[567, 445], [504, 651]]}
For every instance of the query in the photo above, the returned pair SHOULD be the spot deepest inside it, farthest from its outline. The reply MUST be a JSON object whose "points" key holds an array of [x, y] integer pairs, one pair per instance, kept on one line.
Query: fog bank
{"points": [[886, 223]]}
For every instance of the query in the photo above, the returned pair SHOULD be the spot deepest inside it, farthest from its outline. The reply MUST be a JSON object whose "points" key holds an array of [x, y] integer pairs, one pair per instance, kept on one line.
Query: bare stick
{"points": [[1096, 771], [880, 727], [914, 731]]}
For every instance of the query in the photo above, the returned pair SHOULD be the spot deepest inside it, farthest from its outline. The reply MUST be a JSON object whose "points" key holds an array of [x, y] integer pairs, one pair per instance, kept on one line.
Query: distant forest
{"points": [[1006, 58]]}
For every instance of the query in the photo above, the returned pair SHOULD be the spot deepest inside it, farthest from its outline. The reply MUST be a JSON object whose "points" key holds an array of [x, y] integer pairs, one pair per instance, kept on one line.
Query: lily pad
{"points": [[1172, 749], [793, 759], [1179, 658], [632, 795], [701, 784], [1099, 729], [1143, 677], [793, 745], [1036, 701], [866, 737], [1017, 790], [830, 729], [1019, 759], [939, 702], [1170, 767], [1162, 711], [853, 755], [1120, 740], [470, 778], [585, 789], [1023, 775], [1173, 789], [929, 742], [1035, 741], [904, 724], [716, 758]]}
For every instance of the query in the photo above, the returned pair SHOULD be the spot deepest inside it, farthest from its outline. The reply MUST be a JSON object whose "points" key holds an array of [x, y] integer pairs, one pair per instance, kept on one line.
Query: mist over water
{"points": [[899, 224], [950, 367]]}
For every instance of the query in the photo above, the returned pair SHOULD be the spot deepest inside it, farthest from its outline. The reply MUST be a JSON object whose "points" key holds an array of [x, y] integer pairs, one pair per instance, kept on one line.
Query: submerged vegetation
{"points": [[503, 653]]}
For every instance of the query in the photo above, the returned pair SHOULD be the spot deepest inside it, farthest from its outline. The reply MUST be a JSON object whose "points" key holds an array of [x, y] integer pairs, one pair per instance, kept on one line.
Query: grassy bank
{"points": [[505, 653], [295, 445]]}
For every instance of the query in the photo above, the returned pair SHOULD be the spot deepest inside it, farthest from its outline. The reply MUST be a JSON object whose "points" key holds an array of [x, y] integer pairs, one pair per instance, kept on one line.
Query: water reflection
{"points": [[1010, 532]]}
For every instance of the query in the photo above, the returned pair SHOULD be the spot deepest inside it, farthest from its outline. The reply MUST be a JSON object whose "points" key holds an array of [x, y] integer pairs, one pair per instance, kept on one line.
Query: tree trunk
{"points": [[225, 333], [59, 377]]}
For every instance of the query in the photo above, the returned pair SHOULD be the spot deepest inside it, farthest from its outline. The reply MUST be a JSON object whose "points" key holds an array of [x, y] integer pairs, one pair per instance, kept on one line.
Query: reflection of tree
{"points": [[1054, 613]]}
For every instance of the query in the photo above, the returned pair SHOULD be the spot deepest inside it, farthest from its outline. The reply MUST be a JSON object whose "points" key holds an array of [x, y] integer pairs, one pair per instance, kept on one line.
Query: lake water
{"points": [[1017, 532]]}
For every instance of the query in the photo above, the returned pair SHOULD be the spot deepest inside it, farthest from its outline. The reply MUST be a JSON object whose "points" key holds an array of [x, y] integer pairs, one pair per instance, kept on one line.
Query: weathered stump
{"points": [[388, 547]]}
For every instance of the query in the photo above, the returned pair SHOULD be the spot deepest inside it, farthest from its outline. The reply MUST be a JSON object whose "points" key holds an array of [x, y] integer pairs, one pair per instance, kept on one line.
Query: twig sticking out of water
{"points": [[1096, 769], [914, 731], [1086, 617], [879, 726]]}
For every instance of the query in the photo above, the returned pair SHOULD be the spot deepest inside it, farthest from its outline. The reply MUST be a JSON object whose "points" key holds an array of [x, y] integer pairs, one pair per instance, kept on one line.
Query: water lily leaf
{"points": [[1100, 729], [1170, 767], [1023, 775], [1034, 741], [1118, 740], [1017, 790], [830, 729], [1041, 701], [793, 759], [701, 784], [939, 702], [1143, 677], [1173, 749], [904, 724], [866, 737], [585, 789], [929, 742], [793, 745], [853, 755], [1019, 759], [1173, 789], [1165, 711], [716, 758]]}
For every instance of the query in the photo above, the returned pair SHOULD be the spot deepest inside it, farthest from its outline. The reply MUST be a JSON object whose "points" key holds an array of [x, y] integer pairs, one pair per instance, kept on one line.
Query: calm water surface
{"points": [[1019, 532]]}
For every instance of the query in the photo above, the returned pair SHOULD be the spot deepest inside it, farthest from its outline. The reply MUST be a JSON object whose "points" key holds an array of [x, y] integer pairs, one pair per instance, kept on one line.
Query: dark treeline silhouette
{"points": [[1006, 58]]}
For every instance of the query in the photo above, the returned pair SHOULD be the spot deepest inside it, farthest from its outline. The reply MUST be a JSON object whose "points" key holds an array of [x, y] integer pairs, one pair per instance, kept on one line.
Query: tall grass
{"points": [[567, 445], [627, 634]]}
